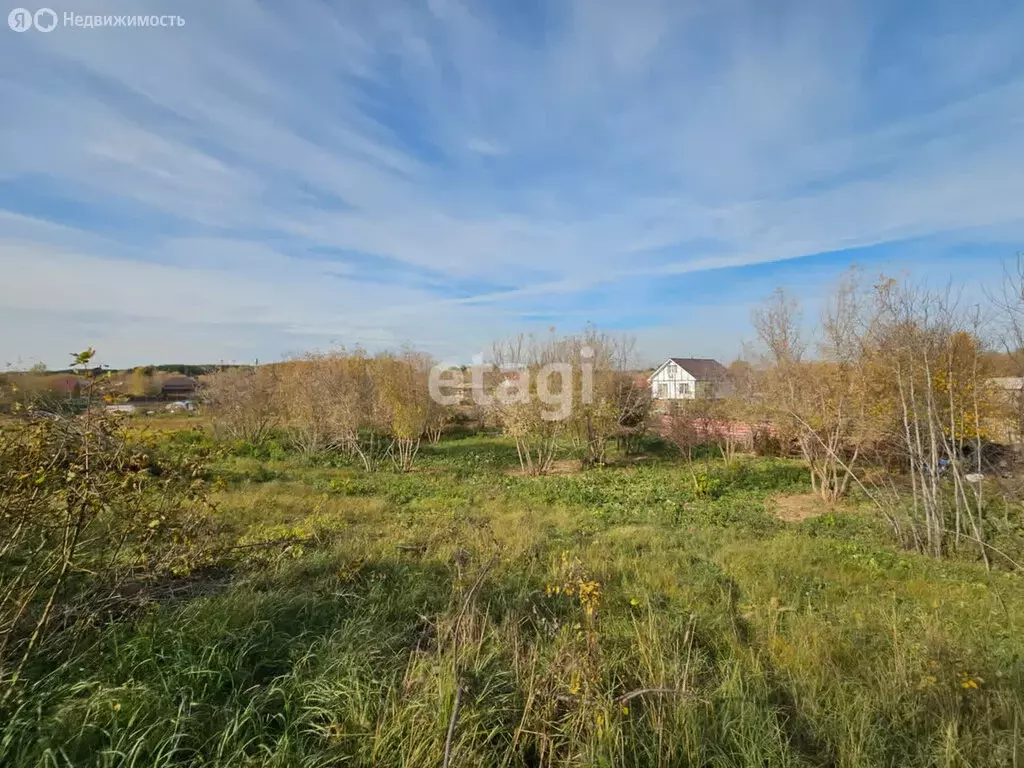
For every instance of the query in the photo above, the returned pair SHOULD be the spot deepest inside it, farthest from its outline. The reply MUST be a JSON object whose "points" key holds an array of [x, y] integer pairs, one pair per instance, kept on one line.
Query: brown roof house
{"points": [[178, 388], [686, 378]]}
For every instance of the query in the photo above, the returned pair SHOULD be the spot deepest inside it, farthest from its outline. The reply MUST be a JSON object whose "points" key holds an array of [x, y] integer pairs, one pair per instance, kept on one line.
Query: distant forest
{"points": [[177, 368]]}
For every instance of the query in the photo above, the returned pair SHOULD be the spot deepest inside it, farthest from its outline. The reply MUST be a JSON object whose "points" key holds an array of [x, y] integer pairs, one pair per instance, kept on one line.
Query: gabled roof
{"points": [[179, 382], [701, 368]]}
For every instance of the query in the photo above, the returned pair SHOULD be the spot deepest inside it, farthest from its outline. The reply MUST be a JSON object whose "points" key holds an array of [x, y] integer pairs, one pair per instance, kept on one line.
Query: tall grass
{"points": [[715, 635]]}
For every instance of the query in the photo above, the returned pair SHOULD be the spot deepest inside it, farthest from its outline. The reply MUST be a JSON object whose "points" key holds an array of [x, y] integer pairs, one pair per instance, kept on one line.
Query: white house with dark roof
{"points": [[685, 378]]}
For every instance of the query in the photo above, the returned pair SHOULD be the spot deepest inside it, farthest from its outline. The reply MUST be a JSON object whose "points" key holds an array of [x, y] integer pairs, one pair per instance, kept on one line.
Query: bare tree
{"points": [[1009, 307], [358, 416], [608, 402], [403, 397], [777, 324], [902, 376], [517, 404], [688, 426], [632, 396], [243, 402], [309, 388], [329, 402], [816, 402], [439, 418], [934, 380]]}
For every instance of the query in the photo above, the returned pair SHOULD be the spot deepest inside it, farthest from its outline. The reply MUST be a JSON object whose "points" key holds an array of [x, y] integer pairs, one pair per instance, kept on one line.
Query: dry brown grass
{"points": [[795, 507], [560, 467], [161, 421]]}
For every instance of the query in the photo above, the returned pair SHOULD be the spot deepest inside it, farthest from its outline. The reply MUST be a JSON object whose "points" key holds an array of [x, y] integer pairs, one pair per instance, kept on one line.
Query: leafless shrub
{"points": [[902, 379], [404, 403], [244, 402], [517, 405], [579, 389], [816, 403], [82, 509], [931, 399]]}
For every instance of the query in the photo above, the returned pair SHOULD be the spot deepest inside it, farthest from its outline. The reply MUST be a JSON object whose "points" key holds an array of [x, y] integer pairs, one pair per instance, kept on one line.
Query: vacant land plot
{"points": [[467, 615]]}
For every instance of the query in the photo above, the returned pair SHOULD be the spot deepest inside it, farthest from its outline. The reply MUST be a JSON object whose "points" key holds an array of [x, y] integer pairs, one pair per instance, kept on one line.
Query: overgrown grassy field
{"points": [[610, 617]]}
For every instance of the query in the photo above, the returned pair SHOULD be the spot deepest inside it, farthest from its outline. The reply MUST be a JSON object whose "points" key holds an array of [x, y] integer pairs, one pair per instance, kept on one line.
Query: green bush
{"points": [[270, 449], [85, 508]]}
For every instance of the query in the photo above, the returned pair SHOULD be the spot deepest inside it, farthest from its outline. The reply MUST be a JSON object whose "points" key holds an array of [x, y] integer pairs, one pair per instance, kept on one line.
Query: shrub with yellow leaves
{"points": [[574, 582]]}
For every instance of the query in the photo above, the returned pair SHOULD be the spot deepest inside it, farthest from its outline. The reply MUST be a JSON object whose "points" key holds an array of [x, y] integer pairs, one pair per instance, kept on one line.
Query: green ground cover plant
{"points": [[466, 614]]}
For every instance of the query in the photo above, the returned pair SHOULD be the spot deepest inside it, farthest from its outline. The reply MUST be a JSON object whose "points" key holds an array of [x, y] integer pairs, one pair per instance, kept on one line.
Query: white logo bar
{"points": [[46, 20]]}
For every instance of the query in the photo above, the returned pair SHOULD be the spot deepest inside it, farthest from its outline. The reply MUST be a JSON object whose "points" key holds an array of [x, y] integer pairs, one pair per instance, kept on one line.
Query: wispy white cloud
{"points": [[396, 171], [485, 147]]}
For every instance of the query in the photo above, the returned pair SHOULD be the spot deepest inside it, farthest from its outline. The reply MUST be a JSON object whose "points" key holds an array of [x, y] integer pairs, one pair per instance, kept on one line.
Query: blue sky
{"points": [[274, 177]]}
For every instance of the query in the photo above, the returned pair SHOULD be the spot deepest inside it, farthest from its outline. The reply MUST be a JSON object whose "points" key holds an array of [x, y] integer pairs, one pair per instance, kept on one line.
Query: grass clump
{"points": [[618, 616]]}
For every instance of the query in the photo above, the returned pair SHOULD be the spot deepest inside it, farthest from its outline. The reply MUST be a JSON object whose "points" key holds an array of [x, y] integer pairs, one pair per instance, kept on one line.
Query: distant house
{"points": [[178, 388], [685, 378], [1010, 391], [1008, 383]]}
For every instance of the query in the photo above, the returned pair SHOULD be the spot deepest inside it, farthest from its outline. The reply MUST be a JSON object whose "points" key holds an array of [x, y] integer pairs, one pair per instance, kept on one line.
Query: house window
{"points": [[663, 391], [671, 371], [684, 387]]}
